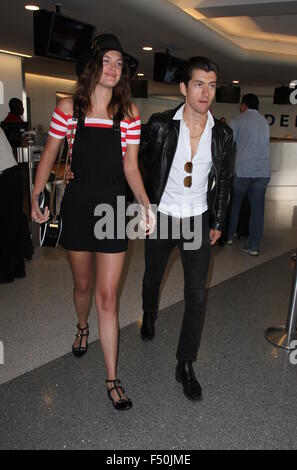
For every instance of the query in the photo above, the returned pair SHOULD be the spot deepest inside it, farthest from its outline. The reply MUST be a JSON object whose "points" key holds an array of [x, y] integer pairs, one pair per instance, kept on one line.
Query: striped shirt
{"points": [[62, 124]]}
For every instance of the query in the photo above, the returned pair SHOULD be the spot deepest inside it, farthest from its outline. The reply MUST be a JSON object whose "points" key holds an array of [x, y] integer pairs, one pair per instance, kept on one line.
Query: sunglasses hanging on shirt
{"points": [[188, 179]]}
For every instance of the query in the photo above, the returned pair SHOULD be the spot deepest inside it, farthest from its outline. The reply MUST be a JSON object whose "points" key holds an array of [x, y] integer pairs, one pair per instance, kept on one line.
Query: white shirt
{"points": [[7, 159], [177, 200]]}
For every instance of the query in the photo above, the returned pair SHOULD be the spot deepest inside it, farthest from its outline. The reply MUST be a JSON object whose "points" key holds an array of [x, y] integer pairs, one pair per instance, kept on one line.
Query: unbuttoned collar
{"points": [[179, 116]]}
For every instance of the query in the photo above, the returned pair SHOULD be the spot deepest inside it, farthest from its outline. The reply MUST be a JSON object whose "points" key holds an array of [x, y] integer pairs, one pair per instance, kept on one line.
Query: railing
{"points": [[282, 336]]}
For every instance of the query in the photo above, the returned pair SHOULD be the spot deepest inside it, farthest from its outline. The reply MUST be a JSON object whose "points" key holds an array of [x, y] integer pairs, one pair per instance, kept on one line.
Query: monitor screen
{"points": [[282, 95], [68, 37], [228, 94], [166, 68], [60, 37], [139, 88], [171, 74]]}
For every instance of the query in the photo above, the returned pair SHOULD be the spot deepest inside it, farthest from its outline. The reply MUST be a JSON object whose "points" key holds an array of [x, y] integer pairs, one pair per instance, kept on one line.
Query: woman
{"points": [[104, 153]]}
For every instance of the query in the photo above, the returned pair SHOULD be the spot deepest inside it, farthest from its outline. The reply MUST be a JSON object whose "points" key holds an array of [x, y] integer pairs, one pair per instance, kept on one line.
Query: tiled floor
{"points": [[37, 327]]}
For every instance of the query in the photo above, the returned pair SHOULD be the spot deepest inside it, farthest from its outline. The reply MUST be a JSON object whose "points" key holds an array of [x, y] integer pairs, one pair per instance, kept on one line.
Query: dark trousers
{"points": [[195, 265], [11, 224], [256, 189]]}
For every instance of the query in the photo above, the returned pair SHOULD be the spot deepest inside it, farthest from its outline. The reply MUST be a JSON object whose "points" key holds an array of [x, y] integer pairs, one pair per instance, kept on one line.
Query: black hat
{"points": [[106, 42]]}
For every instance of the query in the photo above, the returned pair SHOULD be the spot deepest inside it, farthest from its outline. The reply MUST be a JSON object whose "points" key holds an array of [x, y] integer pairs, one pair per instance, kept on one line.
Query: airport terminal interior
{"points": [[51, 400]]}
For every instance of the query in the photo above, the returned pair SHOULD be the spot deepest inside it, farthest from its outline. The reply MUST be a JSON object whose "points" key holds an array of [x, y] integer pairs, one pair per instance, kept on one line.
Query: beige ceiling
{"points": [[238, 34], [268, 27]]}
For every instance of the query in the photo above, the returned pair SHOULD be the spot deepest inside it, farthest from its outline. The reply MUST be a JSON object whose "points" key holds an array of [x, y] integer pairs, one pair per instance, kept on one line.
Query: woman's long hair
{"points": [[120, 103]]}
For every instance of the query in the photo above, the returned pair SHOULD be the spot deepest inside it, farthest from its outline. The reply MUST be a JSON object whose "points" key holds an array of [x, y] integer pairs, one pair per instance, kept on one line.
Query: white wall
{"points": [[11, 85], [283, 117], [148, 106], [42, 93]]}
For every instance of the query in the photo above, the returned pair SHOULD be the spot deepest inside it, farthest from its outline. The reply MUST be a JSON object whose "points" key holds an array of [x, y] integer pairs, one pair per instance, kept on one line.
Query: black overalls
{"points": [[97, 164]]}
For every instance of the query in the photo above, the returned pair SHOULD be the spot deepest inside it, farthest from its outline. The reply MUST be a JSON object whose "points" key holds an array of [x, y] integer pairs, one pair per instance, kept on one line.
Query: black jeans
{"points": [[195, 265]]}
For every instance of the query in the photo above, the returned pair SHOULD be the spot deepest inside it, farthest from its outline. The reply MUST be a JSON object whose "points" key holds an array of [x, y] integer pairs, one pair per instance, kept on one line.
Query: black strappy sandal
{"points": [[79, 351], [123, 403]]}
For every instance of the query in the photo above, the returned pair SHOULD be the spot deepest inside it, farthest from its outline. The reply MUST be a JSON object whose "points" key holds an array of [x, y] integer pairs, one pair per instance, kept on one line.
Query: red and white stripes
{"points": [[61, 125]]}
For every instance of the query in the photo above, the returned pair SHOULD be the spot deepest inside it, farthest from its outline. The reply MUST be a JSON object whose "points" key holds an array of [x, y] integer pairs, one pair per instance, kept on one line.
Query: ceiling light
{"points": [[236, 82], [32, 7], [147, 48], [15, 53], [140, 75]]}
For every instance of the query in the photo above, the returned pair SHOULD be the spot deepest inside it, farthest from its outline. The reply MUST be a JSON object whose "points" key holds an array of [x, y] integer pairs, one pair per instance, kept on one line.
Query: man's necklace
{"points": [[196, 136]]}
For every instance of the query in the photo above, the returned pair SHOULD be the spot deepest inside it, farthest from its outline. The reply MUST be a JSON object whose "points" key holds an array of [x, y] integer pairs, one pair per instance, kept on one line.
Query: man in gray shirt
{"points": [[252, 170]]}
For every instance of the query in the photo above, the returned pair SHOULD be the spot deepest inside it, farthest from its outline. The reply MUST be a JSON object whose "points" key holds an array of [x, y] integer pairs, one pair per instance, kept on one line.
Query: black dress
{"points": [[93, 206]]}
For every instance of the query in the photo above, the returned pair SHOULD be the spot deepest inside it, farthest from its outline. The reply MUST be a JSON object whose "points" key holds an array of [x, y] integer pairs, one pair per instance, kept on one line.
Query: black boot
{"points": [[184, 374], [148, 326]]}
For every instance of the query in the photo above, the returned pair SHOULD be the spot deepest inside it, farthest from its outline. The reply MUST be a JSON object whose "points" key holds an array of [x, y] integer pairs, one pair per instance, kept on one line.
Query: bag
{"points": [[50, 231]]}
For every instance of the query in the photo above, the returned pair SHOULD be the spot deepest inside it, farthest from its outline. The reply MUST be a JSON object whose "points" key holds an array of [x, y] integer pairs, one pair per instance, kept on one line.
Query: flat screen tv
{"points": [[228, 94], [166, 68], [139, 88], [282, 95], [60, 37]]}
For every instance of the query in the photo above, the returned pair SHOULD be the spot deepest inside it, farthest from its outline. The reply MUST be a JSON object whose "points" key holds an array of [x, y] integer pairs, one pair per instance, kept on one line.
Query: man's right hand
{"points": [[68, 175]]}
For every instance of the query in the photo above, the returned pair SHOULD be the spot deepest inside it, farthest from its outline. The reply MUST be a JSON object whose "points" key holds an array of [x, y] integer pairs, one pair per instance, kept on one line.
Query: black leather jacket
{"points": [[157, 149]]}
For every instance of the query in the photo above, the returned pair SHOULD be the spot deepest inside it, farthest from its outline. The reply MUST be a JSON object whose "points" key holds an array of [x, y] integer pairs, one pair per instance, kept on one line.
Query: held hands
{"points": [[214, 235], [148, 222], [36, 214]]}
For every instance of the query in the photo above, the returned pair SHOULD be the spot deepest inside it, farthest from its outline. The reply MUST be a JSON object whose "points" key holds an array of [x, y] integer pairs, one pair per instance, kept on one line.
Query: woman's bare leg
{"points": [[82, 263], [109, 267]]}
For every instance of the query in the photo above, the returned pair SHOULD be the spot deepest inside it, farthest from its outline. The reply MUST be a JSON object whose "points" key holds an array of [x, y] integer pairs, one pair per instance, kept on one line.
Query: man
{"points": [[187, 154], [13, 125], [252, 170], [16, 111], [11, 215]]}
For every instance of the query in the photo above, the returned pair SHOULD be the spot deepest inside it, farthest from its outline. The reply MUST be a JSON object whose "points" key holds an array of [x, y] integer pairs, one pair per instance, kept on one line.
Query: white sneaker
{"points": [[251, 252], [229, 242]]}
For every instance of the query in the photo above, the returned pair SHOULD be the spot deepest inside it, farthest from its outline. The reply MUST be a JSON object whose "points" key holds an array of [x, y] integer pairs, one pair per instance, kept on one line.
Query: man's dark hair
{"points": [[251, 101], [16, 106], [196, 63]]}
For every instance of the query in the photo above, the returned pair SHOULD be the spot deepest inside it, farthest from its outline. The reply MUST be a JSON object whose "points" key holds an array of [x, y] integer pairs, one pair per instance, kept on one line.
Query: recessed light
{"points": [[32, 7], [140, 75], [147, 48], [15, 53]]}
